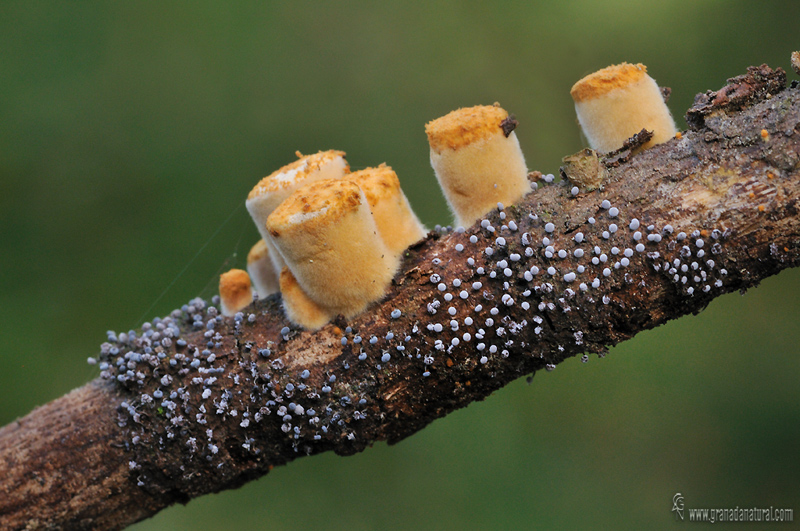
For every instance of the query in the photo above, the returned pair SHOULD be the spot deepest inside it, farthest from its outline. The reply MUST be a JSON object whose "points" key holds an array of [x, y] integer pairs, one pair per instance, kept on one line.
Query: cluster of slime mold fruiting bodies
{"points": [[522, 288], [501, 295], [316, 218]]}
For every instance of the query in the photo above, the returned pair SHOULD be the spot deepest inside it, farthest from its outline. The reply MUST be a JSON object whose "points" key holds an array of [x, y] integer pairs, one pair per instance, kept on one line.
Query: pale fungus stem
{"points": [[261, 269], [299, 307]]}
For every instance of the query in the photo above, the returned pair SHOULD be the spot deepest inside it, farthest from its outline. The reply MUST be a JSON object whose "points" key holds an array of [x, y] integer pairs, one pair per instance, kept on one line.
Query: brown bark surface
{"points": [[720, 200]]}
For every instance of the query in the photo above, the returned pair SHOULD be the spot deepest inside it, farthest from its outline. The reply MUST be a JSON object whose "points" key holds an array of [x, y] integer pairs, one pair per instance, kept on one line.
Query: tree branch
{"points": [[716, 211]]}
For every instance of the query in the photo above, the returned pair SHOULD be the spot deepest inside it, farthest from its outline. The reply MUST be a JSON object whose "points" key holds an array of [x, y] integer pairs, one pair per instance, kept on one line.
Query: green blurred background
{"points": [[131, 132]]}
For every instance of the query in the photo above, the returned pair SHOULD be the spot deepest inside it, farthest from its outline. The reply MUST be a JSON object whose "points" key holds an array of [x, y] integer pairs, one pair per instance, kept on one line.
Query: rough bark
{"points": [[720, 200]]}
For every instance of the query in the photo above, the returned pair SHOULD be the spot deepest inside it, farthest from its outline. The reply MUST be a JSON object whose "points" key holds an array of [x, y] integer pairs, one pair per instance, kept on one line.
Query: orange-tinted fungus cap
{"points": [[608, 79], [288, 175], [377, 183], [320, 203], [465, 126], [234, 284]]}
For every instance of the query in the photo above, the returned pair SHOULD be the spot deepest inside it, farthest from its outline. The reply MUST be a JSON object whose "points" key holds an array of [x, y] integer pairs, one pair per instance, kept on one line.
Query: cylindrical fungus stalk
{"points": [[617, 102], [328, 237], [262, 270], [478, 161], [397, 224], [235, 292], [299, 307], [277, 186]]}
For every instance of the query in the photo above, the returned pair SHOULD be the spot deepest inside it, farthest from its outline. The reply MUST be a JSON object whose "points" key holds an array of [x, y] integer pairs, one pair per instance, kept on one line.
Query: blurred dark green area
{"points": [[131, 132]]}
